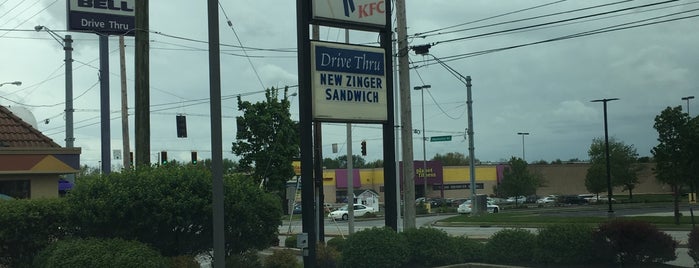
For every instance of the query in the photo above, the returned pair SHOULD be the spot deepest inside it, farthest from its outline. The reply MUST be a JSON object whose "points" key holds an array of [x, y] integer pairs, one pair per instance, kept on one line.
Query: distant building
{"points": [[30, 162]]}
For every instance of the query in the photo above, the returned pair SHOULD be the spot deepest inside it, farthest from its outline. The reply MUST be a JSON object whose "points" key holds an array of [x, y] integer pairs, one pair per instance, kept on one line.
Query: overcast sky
{"points": [[544, 89]]}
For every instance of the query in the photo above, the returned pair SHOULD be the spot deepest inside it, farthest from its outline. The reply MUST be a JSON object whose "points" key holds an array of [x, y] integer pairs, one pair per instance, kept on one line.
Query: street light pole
{"points": [[523, 134], [16, 83], [66, 43], [610, 213], [692, 195], [424, 153], [687, 99]]}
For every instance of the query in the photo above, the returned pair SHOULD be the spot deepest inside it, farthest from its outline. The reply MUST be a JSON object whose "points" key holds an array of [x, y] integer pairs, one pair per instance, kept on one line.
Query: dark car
{"points": [[571, 200], [297, 209], [438, 202]]}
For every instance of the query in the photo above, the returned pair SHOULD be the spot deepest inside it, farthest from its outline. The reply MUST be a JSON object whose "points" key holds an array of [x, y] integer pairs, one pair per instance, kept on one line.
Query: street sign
{"points": [[440, 138]]}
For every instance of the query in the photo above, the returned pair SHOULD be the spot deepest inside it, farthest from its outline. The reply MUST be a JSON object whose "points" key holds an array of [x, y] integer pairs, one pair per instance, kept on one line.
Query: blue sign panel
{"points": [[349, 61]]}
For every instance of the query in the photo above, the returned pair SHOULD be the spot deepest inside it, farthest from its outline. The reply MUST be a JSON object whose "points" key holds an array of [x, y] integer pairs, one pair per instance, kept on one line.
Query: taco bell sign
{"points": [[363, 12], [102, 16]]}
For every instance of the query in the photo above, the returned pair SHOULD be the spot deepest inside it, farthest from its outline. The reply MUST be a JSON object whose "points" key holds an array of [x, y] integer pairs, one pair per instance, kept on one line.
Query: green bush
{"points": [[169, 208], [327, 256], [369, 215], [290, 241], [184, 261], [510, 246], [564, 244], [693, 245], [27, 226], [248, 259], [285, 258], [429, 247], [467, 250], [375, 247], [336, 243], [93, 252], [631, 242]]}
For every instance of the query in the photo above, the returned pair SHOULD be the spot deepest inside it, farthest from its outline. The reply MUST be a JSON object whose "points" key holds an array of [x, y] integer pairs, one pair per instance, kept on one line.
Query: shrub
{"points": [[693, 245], [184, 261], [630, 242], [95, 252], [290, 241], [285, 258], [375, 247], [564, 244], [336, 242], [429, 247], [27, 226], [248, 259], [510, 246], [369, 215], [327, 256], [467, 250]]}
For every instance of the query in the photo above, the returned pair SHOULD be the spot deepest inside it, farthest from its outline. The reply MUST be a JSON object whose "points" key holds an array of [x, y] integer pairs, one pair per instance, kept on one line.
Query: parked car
{"points": [[6, 197], [519, 199], [438, 202], [571, 200], [466, 207], [546, 200], [342, 213], [297, 209]]}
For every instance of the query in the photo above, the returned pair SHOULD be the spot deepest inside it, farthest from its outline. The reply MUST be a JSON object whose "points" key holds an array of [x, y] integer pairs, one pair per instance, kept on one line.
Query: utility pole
{"points": [[142, 95], [124, 107], [406, 116]]}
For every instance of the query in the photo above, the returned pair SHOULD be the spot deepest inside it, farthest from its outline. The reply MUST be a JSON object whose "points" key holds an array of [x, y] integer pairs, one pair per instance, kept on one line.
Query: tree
{"points": [[453, 159], [518, 180], [229, 166], [672, 152], [169, 208], [375, 164], [596, 179], [267, 141], [623, 164], [340, 162]]}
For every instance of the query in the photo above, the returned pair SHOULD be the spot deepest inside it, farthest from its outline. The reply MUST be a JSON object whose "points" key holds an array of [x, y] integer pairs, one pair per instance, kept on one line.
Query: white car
{"points": [[546, 200], [342, 213], [519, 199], [466, 206]]}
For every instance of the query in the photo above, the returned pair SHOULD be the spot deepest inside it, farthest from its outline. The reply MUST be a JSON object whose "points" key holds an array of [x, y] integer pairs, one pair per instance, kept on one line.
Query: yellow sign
{"points": [[297, 167]]}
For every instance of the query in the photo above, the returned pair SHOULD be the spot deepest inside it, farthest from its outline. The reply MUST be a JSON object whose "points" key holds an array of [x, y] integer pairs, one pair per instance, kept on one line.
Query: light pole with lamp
{"points": [[692, 196], [66, 43], [424, 154], [523, 134], [610, 213], [687, 99], [16, 83]]}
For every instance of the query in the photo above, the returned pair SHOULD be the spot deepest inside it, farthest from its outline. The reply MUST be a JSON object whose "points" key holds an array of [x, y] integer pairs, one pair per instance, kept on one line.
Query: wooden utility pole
{"points": [[406, 117], [142, 95], [126, 156]]}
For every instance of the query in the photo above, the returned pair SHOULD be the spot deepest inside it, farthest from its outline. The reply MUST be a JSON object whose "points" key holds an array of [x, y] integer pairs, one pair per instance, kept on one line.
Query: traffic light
{"points": [[194, 157], [131, 159], [363, 148], [163, 158], [181, 126]]}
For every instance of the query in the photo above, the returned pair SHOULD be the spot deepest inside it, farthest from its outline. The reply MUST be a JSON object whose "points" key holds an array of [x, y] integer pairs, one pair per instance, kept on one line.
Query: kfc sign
{"points": [[364, 12]]}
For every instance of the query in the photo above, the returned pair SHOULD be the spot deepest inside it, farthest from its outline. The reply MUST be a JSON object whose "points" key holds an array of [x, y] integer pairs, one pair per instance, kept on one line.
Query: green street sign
{"points": [[440, 138]]}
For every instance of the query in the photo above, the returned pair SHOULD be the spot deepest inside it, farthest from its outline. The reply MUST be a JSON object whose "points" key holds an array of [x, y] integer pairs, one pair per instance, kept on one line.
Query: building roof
{"points": [[14, 132]]}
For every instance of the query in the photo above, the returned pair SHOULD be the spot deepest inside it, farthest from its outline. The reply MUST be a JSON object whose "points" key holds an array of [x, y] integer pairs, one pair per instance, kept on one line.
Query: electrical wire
{"points": [[230, 25], [31, 17]]}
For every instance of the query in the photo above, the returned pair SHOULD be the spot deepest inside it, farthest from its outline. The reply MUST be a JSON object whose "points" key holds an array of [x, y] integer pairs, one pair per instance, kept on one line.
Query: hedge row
{"points": [[617, 242]]}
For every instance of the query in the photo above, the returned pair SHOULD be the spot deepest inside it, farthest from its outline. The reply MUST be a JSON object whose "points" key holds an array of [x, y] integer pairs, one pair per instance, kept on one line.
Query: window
{"points": [[15, 188]]}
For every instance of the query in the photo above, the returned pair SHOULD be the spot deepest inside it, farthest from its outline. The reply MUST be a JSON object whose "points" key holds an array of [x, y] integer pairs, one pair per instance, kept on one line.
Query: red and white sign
{"points": [[365, 12]]}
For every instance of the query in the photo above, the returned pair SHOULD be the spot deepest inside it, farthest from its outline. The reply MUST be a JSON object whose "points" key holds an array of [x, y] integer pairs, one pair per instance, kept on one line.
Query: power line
{"points": [[552, 22], [230, 25], [613, 28], [425, 34]]}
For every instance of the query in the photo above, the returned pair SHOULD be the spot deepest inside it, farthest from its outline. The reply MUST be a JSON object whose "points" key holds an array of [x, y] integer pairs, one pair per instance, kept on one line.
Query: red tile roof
{"points": [[14, 132]]}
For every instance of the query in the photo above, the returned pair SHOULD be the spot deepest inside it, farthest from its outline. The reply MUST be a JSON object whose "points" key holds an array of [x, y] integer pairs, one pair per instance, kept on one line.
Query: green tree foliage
{"points": [[518, 180], [623, 164], [27, 226], [229, 166], [673, 153], [596, 178], [340, 162], [453, 159], [375, 164], [169, 208], [267, 141], [375, 247]]}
